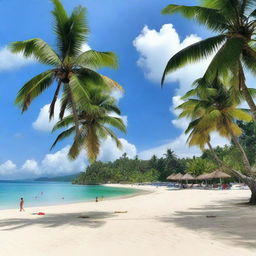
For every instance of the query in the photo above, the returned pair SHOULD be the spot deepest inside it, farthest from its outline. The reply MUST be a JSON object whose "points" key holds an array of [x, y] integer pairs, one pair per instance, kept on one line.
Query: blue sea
{"points": [[37, 193]]}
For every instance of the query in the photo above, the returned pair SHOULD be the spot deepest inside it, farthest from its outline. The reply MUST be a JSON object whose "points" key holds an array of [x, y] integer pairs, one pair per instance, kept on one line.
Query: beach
{"points": [[156, 222]]}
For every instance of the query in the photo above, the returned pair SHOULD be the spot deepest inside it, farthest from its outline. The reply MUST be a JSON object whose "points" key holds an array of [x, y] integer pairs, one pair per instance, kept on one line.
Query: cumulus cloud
{"points": [[59, 163], [7, 168], [10, 61], [42, 122], [109, 151], [31, 166], [155, 48]]}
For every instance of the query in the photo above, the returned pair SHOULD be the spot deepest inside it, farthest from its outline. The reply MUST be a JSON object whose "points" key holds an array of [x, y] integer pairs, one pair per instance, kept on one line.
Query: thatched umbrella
{"points": [[204, 176], [187, 177], [178, 176], [218, 174], [170, 177]]}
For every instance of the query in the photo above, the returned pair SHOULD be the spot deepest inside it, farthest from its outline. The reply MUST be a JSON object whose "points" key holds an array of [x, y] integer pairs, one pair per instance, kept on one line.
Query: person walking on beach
{"points": [[22, 205]]}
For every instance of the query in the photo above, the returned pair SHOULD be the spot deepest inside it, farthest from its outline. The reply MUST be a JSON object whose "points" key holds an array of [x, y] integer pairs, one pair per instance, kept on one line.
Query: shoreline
{"points": [[156, 222], [137, 193]]}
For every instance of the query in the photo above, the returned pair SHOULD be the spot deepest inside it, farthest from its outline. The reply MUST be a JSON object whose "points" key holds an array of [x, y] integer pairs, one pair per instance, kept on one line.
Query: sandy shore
{"points": [[163, 222]]}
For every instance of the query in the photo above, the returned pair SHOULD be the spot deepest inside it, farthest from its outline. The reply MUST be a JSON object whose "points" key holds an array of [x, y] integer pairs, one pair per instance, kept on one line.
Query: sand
{"points": [[163, 222]]}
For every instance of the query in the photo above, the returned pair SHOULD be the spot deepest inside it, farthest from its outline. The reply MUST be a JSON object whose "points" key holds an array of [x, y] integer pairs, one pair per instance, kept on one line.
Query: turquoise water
{"points": [[52, 193]]}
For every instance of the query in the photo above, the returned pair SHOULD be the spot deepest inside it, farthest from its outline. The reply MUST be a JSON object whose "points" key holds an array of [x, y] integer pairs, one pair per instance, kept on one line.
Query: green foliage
{"points": [[123, 170], [199, 165], [216, 111], [228, 154], [248, 140], [77, 80], [94, 124], [233, 21]]}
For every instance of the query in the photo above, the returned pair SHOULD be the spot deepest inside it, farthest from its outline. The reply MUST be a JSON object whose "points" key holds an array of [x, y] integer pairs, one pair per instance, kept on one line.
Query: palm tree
{"points": [[218, 112], [94, 124], [72, 69], [234, 46]]}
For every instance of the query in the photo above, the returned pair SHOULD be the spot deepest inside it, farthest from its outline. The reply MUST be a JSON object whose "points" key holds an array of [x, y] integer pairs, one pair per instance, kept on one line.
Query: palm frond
{"points": [[115, 122], [95, 60], [210, 17], [37, 49], [33, 88], [249, 59], [65, 122], [63, 135], [225, 58], [193, 53], [113, 137], [71, 31]]}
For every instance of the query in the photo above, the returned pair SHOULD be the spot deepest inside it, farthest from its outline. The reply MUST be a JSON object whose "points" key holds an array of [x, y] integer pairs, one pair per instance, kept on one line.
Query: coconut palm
{"points": [[71, 68], [234, 46], [216, 112], [94, 124]]}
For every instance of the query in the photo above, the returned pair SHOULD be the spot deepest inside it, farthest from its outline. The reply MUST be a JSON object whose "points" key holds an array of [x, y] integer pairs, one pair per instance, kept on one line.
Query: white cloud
{"points": [[31, 166], [59, 163], [117, 94], [7, 168], [85, 48], [42, 122], [155, 49], [109, 151], [10, 61]]}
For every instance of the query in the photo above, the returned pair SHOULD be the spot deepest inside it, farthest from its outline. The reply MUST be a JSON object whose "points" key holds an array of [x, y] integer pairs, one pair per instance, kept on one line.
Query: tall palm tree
{"points": [[94, 125], [234, 46], [71, 68], [216, 112]]}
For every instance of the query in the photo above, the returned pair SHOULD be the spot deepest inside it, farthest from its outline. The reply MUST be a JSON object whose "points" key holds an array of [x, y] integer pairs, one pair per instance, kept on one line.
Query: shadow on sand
{"points": [[89, 219], [231, 220]]}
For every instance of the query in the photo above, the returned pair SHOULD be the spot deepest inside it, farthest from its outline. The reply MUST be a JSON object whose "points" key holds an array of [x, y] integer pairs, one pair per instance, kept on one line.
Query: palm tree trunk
{"points": [[249, 181], [52, 106], [74, 112], [245, 92], [243, 154], [218, 161]]}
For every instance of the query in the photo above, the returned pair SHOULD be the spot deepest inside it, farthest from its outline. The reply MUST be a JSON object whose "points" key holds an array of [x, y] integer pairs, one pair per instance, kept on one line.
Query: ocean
{"points": [[38, 193]]}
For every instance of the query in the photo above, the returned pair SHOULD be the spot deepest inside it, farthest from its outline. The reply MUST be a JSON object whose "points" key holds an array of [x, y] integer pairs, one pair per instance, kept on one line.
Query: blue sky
{"points": [[132, 29]]}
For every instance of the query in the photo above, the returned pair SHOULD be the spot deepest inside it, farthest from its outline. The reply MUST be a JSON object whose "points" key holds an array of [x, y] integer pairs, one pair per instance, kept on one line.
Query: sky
{"points": [[143, 39]]}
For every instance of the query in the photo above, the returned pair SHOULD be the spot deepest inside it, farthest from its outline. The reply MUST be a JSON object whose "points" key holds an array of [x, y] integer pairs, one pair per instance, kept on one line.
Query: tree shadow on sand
{"points": [[89, 219], [231, 220]]}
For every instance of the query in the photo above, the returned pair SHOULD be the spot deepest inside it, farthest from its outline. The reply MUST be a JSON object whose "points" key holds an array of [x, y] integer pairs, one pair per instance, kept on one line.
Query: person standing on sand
{"points": [[22, 205]]}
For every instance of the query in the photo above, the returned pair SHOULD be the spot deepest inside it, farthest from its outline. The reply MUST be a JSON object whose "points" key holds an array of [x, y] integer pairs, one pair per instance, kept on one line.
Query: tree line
{"points": [[126, 170]]}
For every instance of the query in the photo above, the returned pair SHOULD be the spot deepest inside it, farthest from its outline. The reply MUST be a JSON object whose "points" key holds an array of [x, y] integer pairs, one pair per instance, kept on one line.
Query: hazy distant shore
{"points": [[156, 222]]}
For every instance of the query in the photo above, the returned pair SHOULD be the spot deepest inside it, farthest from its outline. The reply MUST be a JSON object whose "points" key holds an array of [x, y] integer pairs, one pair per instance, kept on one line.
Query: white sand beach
{"points": [[163, 222]]}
